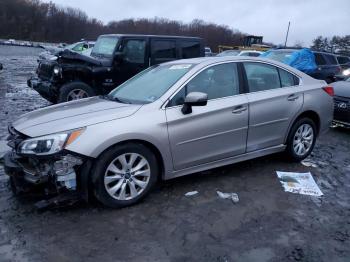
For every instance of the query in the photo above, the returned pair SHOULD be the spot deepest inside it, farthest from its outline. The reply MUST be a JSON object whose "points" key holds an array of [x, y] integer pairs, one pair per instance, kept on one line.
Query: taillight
{"points": [[329, 90]]}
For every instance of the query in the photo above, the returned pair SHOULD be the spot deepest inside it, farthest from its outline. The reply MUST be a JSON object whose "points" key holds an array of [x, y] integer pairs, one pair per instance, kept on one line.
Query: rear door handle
{"points": [[292, 97], [239, 109]]}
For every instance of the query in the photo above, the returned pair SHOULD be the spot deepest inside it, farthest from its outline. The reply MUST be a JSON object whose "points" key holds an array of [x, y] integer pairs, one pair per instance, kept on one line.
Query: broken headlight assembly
{"points": [[48, 145]]}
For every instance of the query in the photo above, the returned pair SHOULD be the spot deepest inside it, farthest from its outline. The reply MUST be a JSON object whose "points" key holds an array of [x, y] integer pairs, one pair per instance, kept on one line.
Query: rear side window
{"points": [[217, 81], [319, 59], [287, 79], [134, 51], [190, 49], [261, 77], [331, 59], [163, 50]]}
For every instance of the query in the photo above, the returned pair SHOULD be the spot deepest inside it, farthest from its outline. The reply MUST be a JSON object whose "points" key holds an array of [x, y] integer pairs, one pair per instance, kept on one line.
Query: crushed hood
{"points": [[72, 115], [68, 55]]}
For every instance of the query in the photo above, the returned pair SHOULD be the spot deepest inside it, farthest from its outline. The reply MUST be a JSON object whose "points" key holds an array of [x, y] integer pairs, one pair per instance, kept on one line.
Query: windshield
{"points": [[104, 46], [280, 56], [229, 53], [149, 85]]}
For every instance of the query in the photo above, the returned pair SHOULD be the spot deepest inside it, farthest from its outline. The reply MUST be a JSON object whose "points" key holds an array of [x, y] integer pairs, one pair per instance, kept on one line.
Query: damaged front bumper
{"points": [[45, 88], [56, 174]]}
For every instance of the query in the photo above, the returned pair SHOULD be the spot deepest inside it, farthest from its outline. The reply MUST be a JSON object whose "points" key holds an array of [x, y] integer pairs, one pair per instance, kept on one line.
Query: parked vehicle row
{"points": [[170, 120]]}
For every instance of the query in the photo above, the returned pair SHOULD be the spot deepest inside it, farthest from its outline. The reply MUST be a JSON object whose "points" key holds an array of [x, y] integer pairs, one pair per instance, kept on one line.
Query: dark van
{"points": [[114, 59]]}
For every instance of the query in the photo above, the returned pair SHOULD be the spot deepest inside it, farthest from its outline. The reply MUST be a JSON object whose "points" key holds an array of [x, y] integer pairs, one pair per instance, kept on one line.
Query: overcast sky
{"points": [[269, 18]]}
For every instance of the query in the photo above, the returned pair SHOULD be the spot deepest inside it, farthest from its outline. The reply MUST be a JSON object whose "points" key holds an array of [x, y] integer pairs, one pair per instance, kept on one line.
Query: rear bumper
{"points": [[45, 88], [341, 112], [341, 123]]}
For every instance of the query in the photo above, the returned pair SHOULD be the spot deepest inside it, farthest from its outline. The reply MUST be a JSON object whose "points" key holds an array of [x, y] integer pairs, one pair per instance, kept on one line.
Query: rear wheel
{"points": [[123, 175], [74, 91], [301, 139]]}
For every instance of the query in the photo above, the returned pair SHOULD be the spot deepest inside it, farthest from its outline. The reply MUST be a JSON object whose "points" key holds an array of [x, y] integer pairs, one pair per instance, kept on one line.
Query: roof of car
{"points": [[215, 59], [207, 61], [141, 35]]}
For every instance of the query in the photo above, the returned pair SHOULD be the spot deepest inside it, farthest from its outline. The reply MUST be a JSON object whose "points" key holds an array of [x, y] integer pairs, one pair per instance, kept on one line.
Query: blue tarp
{"points": [[303, 59]]}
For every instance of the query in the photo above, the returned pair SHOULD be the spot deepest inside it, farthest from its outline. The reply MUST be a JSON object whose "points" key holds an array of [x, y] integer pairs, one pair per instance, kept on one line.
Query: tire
{"points": [[294, 151], [108, 189], [74, 91]]}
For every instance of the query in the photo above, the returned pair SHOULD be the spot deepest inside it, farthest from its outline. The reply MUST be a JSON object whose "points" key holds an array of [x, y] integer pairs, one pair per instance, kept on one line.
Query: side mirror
{"points": [[119, 57], [194, 99]]}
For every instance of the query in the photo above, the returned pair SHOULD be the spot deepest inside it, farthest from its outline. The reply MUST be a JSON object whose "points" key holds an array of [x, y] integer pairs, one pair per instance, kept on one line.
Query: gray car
{"points": [[170, 120]]}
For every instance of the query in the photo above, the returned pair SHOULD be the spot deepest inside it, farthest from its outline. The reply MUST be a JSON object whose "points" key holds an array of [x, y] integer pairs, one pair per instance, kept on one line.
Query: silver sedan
{"points": [[170, 120]]}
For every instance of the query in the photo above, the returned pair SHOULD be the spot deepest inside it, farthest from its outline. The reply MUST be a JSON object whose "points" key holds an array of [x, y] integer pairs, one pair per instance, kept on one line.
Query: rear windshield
{"points": [[229, 53], [280, 56]]}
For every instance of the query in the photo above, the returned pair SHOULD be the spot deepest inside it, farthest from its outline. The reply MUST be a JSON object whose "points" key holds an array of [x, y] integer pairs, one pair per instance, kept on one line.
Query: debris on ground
{"points": [[299, 183], [308, 163], [232, 196], [63, 201], [191, 193]]}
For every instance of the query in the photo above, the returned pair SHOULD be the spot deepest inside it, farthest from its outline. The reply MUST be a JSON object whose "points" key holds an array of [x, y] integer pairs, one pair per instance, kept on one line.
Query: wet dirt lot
{"points": [[267, 224]]}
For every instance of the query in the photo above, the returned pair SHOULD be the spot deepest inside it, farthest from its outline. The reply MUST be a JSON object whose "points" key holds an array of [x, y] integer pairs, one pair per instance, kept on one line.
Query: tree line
{"points": [[339, 44], [34, 20]]}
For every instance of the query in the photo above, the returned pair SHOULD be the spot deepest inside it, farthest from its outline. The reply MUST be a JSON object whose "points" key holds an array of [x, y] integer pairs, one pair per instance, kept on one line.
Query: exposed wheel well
{"points": [[150, 146], [313, 116]]}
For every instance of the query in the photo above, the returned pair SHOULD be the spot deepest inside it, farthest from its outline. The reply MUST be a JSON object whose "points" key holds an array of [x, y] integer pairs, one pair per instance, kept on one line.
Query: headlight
{"points": [[50, 144], [56, 70], [346, 72]]}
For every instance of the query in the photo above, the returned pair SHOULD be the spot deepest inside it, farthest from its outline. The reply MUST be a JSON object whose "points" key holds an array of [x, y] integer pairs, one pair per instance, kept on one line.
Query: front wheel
{"points": [[74, 91], [124, 174], [301, 139]]}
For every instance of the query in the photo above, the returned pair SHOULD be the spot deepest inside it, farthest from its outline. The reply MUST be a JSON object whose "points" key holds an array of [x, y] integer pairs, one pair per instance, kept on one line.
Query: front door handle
{"points": [[292, 97], [239, 109]]}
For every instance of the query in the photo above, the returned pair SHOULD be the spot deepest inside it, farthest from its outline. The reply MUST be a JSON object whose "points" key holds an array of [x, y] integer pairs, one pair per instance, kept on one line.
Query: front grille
{"points": [[45, 70]]}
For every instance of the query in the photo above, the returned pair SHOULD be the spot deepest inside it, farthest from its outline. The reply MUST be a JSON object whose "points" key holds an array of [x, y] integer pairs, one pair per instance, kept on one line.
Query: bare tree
{"points": [[38, 21]]}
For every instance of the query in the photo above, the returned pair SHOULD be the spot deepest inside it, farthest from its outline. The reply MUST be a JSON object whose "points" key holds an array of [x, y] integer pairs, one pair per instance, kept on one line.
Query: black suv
{"points": [[113, 60], [327, 67]]}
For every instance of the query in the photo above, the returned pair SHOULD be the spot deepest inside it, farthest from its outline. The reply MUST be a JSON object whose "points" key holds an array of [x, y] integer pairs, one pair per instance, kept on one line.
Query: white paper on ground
{"points": [[192, 193], [232, 196], [299, 183]]}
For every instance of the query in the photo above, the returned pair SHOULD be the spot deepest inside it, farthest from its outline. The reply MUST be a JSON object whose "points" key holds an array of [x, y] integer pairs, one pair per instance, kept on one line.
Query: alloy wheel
{"points": [[303, 139], [76, 94], [127, 176]]}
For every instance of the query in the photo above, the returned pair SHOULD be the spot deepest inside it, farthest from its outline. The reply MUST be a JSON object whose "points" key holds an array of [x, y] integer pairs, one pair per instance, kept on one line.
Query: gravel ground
{"points": [[267, 224]]}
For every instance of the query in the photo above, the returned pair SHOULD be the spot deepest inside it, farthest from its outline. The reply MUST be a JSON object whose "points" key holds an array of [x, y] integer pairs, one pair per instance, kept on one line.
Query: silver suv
{"points": [[170, 120]]}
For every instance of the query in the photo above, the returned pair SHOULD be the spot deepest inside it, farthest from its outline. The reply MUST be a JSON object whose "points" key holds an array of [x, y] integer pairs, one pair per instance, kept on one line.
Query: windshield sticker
{"points": [[179, 67]]}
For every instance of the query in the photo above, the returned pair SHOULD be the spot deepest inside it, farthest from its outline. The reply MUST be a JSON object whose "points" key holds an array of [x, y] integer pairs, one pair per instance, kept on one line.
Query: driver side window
{"points": [[217, 81], [134, 51]]}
